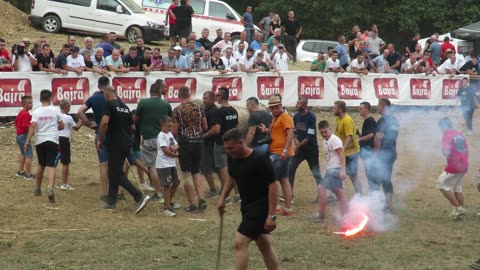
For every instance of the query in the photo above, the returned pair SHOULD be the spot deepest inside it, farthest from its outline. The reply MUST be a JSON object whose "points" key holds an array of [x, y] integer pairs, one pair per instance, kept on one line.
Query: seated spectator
{"points": [[75, 61], [460, 58], [446, 47], [365, 35], [219, 36], [181, 63], [36, 51], [105, 45], [98, 60], [114, 62], [22, 59], [410, 65], [470, 56], [470, 67], [449, 66], [241, 52], [280, 59], [88, 42], [394, 60], [259, 65], [146, 61], [5, 60], [418, 52], [27, 43], [228, 61], [276, 34], [196, 64], [203, 43], [375, 44], [243, 39], [410, 48], [112, 39], [224, 43], [140, 47], [257, 42], [333, 63], [42, 40], [381, 62], [156, 60], [246, 62], [426, 65], [45, 61], [131, 60], [319, 64], [206, 61], [89, 66], [359, 48], [266, 55], [169, 60], [358, 65], [189, 51], [329, 53], [368, 61], [217, 62]]}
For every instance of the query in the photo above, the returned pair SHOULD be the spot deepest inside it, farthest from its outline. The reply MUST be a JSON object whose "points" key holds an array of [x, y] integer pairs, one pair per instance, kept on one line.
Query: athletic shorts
{"points": [[280, 167], [172, 30], [183, 32], [253, 223], [190, 156], [65, 155], [332, 180], [351, 164], [47, 153], [21, 139], [208, 158], [103, 154], [450, 182], [149, 151], [168, 176], [220, 156]]}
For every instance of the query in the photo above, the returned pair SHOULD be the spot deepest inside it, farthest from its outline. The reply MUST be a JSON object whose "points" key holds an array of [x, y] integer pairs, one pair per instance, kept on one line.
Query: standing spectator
{"points": [[241, 52], [131, 61], [256, 44], [45, 124], [266, 55], [146, 62], [181, 63], [189, 51], [365, 138], [112, 40], [45, 61], [105, 45], [169, 60], [450, 182], [429, 42], [5, 60], [114, 62], [342, 52], [276, 23], [280, 59], [345, 130], [385, 151], [333, 64], [219, 36], [246, 62], [22, 124], [444, 48], [98, 60], [224, 43], [156, 60], [228, 60], [35, 51], [88, 42], [265, 25], [217, 62], [410, 48], [183, 17], [75, 62], [466, 95], [255, 138], [381, 62], [203, 43], [171, 22], [259, 65], [460, 56], [358, 66], [61, 61], [189, 122], [375, 44], [140, 47], [410, 65], [206, 61], [450, 65], [351, 41], [208, 155], [306, 145], [196, 64], [22, 59], [117, 126], [276, 34], [247, 20], [394, 60], [293, 29], [243, 39], [281, 150]]}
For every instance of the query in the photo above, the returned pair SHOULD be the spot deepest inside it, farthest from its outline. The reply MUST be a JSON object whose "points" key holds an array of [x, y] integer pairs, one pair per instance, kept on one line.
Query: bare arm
{"points": [[341, 155], [61, 125], [214, 130], [204, 124], [83, 117], [377, 141], [348, 141], [366, 137], [299, 32], [31, 132], [102, 131], [250, 134], [168, 152], [229, 184]]}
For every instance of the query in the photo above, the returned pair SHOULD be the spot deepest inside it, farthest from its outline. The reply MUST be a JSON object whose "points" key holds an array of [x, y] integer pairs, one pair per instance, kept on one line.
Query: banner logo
{"points": [[75, 90], [130, 89], [311, 87], [269, 85], [450, 88], [349, 88], [234, 86], [12, 91], [173, 84], [386, 88], [420, 89]]}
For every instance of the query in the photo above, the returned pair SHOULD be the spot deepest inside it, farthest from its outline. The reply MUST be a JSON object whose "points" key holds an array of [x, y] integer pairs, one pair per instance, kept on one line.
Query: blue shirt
{"points": [[247, 17], [342, 54], [181, 62], [305, 128], [107, 48], [435, 48], [255, 45], [97, 103]]}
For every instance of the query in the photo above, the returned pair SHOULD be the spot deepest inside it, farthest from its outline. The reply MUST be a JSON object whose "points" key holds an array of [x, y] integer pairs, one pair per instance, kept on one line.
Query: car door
{"points": [[220, 16], [199, 19], [108, 19], [81, 15]]}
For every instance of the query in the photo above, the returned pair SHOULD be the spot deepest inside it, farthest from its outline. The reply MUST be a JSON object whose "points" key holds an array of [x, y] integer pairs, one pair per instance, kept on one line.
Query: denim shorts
{"points": [[103, 154], [21, 139], [332, 180], [351, 163], [280, 167]]}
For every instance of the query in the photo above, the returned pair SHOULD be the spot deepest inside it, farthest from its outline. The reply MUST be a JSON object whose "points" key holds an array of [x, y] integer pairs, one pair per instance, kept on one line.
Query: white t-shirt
{"points": [[329, 146], [237, 54], [47, 119], [281, 61], [24, 63], [68, 125], [356, 65], [235, 45], [75, 62], [332, 64], [266, 55], [408, 65], [460, 60], [229, 63], [164, 140], [447, 65], [247, 62]]}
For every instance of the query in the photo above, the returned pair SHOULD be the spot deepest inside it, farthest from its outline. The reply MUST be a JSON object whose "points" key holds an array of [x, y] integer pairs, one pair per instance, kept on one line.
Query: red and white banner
{"points": [[322, 89]]}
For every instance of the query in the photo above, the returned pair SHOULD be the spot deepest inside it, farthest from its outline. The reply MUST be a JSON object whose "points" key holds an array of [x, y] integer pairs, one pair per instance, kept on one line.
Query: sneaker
{"points": [[51, 195], [282, 199], [66, 187], [174, 205], [476, 265], [469, 132], [211, 194], [192, 208], [202, 204], [37, 192], [169, 213], [279, 210], [142, 203], [237, 199], [146, 187], [318, 218], [228, 200], [108, 206], [157, 198], [121, 197], [453, 213], [287, 212], [459, 214], [20, 174], [30, 177]]}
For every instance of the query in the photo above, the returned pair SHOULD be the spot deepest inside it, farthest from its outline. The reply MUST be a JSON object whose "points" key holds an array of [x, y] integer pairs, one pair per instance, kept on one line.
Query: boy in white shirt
{"points": [[45, 124], [335, 174], [165, 164], [280, 59], [64, 142]]}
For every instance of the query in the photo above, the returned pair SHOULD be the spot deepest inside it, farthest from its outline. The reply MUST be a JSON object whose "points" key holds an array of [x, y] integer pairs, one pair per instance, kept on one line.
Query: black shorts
{"points": [[168, 176], [183, 31], [190, 156], [253, 221], [64, 144], [208, 158], [47, 153], [172, 30]]}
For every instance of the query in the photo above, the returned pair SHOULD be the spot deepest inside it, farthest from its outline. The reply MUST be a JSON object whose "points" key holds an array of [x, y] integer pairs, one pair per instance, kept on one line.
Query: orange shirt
{"points": [[279, 127]]}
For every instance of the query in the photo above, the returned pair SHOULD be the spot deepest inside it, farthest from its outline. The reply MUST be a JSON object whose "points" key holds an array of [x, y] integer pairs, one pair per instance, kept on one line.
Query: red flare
{"points": [[355, 230]]}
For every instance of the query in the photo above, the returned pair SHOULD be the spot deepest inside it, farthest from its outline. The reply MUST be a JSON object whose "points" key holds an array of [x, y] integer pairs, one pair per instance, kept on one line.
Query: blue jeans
{"points": [[262, 149], [280, 167]]}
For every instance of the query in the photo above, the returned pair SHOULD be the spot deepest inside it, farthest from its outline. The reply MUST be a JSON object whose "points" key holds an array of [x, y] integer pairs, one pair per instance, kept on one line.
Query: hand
{"points": [[270, 224], [343, 176], [26, 146], [221, 206], [262, 128], [283, 156], [99, 145], [358, 132]]}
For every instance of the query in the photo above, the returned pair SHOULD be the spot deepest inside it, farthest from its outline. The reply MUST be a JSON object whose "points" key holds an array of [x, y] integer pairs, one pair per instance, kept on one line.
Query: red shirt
{"points": [[444, 47], [5, 59], [22, 122], [171, 20], [455, 148]]}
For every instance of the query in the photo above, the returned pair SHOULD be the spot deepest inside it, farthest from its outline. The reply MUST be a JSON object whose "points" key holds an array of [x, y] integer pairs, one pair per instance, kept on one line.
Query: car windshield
{"points": [[132, 6], [156, 4]]}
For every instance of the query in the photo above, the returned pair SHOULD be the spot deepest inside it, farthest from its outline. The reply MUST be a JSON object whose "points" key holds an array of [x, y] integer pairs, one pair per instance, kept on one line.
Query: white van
{"points": [[124, 17], [210, 14], [467, 45]]}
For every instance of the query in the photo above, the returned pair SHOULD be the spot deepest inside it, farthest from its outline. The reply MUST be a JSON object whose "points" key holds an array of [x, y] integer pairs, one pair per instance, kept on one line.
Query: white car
{"points": [[123, 17], [307, 50], [210, 14]]}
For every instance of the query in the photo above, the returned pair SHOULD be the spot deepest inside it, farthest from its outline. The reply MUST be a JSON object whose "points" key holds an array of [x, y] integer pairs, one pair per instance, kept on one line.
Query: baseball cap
{"points": [[177, 48], [26, 40], [74, 49], [274, 101]]}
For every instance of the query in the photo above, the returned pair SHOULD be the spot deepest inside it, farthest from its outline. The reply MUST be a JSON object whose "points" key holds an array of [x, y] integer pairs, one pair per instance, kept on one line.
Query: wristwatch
{"points": [[273, 217], [285, 151]]}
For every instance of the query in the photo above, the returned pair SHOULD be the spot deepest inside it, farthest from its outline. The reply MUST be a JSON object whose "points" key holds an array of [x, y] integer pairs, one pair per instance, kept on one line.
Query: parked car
{"points": [[307, 50], [467, 45], [210, 14], [124, 17]]}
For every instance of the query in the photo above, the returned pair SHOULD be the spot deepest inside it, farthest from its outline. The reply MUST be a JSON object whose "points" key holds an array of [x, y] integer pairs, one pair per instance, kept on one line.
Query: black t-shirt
{"points": [[256, 118], [467, 97], [130, 62], [220, 63], [351, 48], [261, 66], [369, 126], [389, 126], [209, 115], [206, 43], [253, 176], [274, 26], [411, 45], [392, 59], [291, 27], [184, 16], [119, 133], [227, 118], [89, 64], [217, 40], [61, 60], [45, 61], [468, 66], [140, 51]]}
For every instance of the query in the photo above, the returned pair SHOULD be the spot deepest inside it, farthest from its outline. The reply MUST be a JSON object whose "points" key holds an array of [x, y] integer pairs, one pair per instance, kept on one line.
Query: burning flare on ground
{"points": [[357, 229]]}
